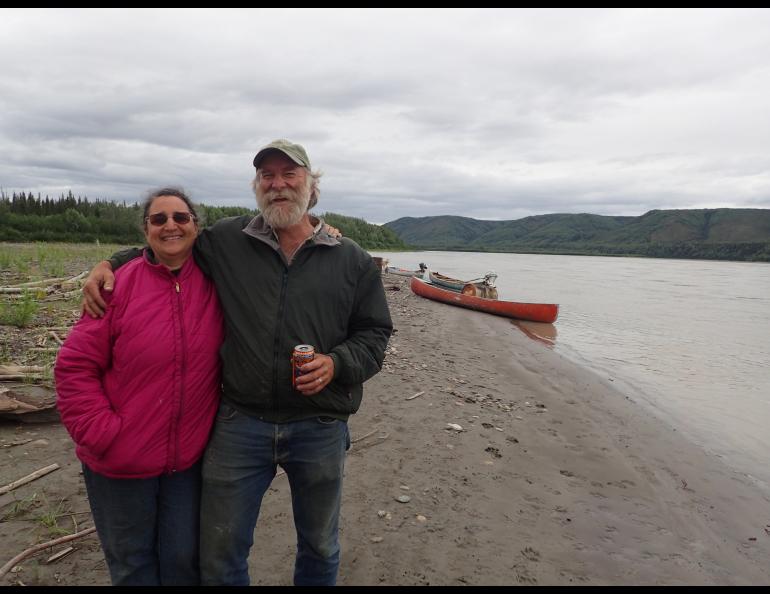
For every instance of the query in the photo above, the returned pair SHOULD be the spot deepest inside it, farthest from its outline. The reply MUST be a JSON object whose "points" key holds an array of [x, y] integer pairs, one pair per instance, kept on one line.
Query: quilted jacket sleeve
{"points": [[83, 405]]}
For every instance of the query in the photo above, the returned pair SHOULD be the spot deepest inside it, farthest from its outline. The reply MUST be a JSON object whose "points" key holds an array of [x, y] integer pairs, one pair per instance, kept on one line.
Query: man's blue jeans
{"points": [[148, 527], [238, 467]]}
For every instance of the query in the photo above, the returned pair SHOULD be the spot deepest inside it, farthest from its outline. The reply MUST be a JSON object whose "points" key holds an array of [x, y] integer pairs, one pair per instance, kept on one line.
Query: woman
{"points": [[138, 391]]}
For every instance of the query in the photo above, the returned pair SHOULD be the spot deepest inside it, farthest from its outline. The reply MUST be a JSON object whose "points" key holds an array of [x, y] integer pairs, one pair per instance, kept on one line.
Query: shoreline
{"points": [[555, 477], [740, 460]]}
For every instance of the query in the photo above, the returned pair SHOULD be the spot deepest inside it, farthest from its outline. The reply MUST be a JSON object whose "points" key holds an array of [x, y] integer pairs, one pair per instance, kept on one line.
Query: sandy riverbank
{"points": [[556, 478]]}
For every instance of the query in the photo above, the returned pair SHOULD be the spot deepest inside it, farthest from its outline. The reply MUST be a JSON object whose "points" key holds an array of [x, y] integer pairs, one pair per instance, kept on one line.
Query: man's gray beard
{"points": [[278, 216]]}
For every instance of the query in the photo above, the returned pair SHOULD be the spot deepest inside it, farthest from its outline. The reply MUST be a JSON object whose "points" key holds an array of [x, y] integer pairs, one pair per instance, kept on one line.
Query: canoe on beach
{"points": [[480, 287], [446, 282], [536, 312]]}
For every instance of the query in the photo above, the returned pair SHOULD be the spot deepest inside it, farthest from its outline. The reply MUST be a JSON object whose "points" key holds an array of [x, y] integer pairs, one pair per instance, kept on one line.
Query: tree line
{"points": [[66, 218]]}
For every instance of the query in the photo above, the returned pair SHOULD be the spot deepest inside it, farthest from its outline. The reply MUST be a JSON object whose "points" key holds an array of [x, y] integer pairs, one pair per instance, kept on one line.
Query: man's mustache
{"points": [[272, 196]]}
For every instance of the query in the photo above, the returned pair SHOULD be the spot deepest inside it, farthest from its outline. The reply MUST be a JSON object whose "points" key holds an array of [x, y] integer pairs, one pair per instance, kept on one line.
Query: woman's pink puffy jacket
{"points": [[138, 389]]}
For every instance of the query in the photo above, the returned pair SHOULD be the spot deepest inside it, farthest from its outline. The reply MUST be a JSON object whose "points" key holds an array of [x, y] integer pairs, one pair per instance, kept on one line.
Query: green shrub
{"points": [[20, 312]]}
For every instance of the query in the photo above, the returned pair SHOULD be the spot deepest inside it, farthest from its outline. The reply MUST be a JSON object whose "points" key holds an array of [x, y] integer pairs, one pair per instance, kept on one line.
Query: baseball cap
{"points": [[295, 152]]}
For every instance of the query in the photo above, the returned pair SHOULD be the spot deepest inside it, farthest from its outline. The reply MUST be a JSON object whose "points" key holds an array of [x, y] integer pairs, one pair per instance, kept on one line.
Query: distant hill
{"points": [[444, 231], [719, 234]]}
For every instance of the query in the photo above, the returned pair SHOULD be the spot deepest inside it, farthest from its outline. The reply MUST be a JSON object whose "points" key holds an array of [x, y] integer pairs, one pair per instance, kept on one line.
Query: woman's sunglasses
{"points": [[180, 218]]}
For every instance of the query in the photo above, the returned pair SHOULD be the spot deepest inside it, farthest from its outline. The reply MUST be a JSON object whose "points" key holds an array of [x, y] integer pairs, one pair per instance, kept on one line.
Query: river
{"points": [[688, 338]]}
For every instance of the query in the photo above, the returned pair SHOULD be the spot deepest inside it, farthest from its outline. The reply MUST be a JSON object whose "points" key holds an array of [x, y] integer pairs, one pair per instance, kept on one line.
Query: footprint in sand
{"points": [[531, 554]]}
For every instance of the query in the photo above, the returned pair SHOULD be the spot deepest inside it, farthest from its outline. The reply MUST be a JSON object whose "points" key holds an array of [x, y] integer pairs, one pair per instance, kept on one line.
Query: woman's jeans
{"points": [[148, 527], [238, 467]]}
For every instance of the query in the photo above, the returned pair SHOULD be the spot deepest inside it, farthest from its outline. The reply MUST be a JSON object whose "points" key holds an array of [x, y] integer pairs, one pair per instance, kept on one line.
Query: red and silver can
{"points": [[303, 353]]}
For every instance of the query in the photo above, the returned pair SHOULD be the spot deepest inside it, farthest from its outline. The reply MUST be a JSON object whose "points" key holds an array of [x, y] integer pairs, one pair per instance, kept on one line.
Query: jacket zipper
{"points": [[277, 341], [183, 369], [280, 358]]}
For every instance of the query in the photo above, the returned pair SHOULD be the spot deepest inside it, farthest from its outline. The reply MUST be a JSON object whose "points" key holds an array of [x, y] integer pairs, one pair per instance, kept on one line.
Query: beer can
{"points": [[303, 353]]}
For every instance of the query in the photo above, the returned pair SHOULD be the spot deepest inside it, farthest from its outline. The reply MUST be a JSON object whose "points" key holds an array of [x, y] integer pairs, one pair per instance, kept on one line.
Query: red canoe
{"points": [[536, 312]]}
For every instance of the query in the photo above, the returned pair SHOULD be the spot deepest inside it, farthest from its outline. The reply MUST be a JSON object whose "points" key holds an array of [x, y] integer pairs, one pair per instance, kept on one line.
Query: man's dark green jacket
{"points": [[330, 296]]}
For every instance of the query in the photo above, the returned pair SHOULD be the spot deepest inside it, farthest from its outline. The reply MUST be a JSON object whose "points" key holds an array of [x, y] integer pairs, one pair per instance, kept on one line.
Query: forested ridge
{"points": [[66, 218]]}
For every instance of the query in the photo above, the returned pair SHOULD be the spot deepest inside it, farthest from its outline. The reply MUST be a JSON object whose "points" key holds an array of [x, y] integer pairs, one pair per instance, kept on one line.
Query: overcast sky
{"points": [[491, 114]]}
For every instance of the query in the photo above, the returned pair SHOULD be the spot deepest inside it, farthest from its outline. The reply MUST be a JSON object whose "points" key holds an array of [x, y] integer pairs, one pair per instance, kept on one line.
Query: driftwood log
{"points": [[60, 286], [41, 547], [29, 478]]}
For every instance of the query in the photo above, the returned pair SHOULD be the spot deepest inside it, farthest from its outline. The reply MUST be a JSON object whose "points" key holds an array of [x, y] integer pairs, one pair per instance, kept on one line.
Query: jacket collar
{"points": [[150, 260], [259, 229]]}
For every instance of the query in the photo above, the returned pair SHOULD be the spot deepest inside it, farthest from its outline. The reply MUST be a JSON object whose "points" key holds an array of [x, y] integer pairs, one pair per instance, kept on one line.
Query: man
{"points": [[282, 281]]}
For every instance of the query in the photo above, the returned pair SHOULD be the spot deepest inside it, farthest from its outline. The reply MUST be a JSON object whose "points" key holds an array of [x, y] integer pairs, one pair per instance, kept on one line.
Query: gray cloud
{"points": [[486, 113]]}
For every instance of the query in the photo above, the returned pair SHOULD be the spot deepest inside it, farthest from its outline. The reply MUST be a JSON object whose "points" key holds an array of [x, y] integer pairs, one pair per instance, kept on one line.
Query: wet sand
{"points": [[554, 477]]}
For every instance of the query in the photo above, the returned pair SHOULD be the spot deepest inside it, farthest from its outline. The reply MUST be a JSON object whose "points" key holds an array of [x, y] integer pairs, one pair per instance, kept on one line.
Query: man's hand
{"points": [[316, 375], [333, 231], [101, 276]]}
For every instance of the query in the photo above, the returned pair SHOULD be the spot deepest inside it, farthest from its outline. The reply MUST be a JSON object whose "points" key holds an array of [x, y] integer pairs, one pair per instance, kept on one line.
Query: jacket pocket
{"points": [[340, 397]]}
